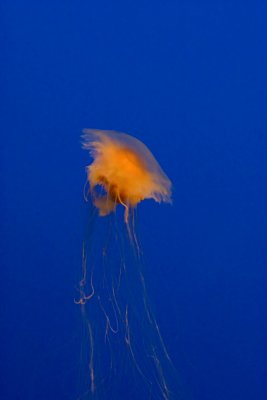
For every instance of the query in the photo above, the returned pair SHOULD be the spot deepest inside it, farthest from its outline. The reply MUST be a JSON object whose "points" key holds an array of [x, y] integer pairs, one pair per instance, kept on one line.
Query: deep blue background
{"points": [[189, 79]]}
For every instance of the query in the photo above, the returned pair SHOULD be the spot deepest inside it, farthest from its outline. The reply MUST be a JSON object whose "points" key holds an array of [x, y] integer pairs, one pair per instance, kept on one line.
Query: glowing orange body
{"points": [[126, 170]]}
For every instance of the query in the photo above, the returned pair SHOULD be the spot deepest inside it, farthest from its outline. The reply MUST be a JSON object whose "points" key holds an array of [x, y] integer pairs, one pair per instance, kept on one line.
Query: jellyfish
{"points": [[127, 357]]}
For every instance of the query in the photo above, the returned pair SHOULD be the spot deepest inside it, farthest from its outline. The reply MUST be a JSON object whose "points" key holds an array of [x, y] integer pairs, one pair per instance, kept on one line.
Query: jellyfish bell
{"points": [[125, 169]]}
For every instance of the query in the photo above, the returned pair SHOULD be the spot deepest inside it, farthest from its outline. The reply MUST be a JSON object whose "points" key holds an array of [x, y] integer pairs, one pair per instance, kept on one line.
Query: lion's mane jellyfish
{"points": [[126, 356]]}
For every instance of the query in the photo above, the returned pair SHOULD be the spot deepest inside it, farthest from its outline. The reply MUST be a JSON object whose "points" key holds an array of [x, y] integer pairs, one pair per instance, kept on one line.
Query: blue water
{"points": [[189, 79]]}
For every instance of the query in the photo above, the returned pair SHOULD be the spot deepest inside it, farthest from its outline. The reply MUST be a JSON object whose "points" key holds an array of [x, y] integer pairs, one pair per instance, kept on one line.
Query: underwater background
{"points": [[188, 78]]}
